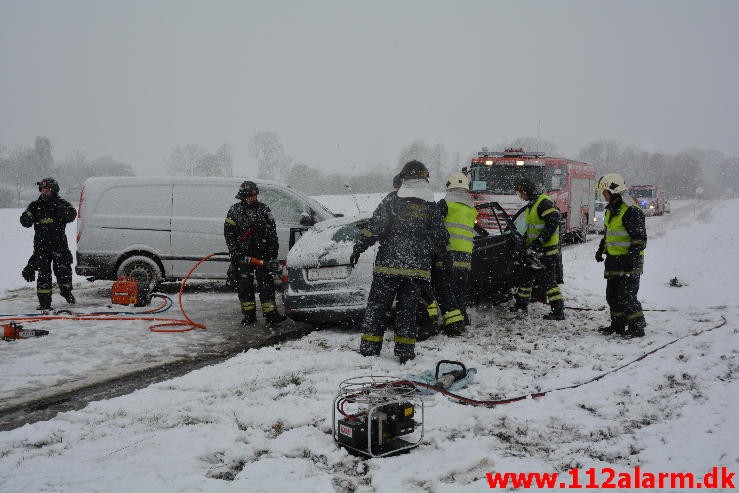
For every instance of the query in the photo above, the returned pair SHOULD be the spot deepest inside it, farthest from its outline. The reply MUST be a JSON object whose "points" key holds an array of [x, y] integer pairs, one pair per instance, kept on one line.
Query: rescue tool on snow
{"points": [[129, 291], [13, 331], [378, 418]]}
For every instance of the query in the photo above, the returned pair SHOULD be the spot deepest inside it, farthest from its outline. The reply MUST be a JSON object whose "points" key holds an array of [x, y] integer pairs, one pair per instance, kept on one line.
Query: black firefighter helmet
{"points": [[48, 183], [414, 169], [247, 189], [526, 186]]}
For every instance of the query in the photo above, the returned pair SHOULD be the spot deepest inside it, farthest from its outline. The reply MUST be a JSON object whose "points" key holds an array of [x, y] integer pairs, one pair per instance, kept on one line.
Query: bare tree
{"points": [[185, 160], [267, 148]]}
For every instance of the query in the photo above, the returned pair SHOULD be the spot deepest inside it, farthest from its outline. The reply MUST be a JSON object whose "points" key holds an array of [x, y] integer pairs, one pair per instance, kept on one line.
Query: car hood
{"points": [[317, 248]]}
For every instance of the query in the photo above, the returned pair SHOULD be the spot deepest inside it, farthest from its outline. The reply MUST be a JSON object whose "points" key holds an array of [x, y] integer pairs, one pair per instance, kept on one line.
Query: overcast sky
{"points": [[348, 83]]}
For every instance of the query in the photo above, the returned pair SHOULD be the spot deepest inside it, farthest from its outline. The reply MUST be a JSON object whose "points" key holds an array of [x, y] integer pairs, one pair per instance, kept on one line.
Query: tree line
{"points": [[691, 173]]}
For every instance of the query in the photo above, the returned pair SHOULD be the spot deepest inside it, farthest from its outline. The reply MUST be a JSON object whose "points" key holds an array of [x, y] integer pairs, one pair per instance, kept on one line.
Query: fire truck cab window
{"points": [[554, 178], [502, 178]]}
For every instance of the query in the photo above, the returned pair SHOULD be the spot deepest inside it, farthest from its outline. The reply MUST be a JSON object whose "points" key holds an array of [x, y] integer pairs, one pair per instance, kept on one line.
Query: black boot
{"points": [[67, 295], [274, 318], [44, 302], [405, 358], [554, 315], [250, 318], [611, 329]]}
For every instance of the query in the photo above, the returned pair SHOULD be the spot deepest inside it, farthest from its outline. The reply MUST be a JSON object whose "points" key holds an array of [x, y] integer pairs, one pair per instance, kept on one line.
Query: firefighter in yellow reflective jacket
{"points": [[410, 230], [623, 242], [542, 241], [460, 215]]}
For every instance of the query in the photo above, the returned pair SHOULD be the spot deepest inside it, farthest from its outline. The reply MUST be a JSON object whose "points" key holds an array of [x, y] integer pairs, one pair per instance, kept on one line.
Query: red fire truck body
{"points": [[650, 198], [569, 183]]}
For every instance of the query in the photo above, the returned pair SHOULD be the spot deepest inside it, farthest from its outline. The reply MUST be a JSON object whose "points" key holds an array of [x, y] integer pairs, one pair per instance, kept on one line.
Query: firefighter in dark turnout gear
{"points": [[411, 232], [624, 241], [49, 215], [251, 237], [542, 240]]}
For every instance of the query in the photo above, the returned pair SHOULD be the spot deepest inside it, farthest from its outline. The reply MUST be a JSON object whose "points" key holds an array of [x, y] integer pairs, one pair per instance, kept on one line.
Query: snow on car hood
{"points": [[317, 247]]}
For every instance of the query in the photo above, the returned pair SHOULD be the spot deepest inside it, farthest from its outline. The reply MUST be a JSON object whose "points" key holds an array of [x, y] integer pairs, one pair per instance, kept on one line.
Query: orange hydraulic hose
{"points": [[186, 324]]}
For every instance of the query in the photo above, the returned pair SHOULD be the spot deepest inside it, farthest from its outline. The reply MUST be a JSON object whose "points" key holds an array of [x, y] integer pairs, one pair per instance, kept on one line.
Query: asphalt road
{"points": [[219, 313]]}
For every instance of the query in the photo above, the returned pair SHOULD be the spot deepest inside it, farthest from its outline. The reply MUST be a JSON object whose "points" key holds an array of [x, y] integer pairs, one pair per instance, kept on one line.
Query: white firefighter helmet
{"points": [[613, 182], [458, 180]]}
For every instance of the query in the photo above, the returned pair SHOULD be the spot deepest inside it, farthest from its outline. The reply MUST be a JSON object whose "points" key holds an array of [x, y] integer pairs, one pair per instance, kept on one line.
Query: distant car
{"points": [[323, 289], [598, 225]]}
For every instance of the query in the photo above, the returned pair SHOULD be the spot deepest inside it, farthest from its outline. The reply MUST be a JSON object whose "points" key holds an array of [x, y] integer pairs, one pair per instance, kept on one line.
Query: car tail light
{"points": [[80, 222], [284, 277]]}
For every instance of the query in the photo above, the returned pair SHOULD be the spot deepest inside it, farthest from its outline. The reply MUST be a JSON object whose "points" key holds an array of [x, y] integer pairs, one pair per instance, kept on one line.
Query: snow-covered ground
{"points": [[261, 421]]}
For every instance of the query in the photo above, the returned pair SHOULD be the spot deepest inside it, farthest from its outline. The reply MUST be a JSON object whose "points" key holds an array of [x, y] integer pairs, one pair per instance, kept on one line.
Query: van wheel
{"points": [[142, 269]]}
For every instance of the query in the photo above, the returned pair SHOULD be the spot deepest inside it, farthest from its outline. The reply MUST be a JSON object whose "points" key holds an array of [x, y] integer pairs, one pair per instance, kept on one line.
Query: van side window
{"points": [[285, 207], [190, 201], [139, 200]]}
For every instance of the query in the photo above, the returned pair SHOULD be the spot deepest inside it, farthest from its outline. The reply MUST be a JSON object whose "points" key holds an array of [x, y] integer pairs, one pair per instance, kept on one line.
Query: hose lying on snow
{"points": [[173, 324]]}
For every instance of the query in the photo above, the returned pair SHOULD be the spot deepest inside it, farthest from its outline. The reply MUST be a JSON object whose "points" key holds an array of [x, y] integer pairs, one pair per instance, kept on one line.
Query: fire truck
{"points": [[569, 183], [650, 198]]}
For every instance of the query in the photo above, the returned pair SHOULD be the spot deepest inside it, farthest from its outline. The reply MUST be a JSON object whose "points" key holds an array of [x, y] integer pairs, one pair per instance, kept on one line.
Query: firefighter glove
{"points": [[599, 255], [28, 273], [273, 266], [536, 245], [354, 257]]}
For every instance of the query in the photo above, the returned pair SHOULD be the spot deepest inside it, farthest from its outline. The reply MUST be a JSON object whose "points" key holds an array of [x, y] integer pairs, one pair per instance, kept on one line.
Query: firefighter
{"points": [[542, 242], [410, 230], [49, 215], [624, 241], [460, 215], [251, 237]]}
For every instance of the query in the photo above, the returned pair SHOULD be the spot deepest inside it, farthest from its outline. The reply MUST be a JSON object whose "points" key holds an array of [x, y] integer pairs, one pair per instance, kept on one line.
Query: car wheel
{"points": [[143, 269]]}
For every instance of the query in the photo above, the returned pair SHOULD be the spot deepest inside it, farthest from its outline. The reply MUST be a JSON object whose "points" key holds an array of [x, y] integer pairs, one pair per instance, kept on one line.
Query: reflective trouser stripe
{"points": [[554, 294], [268, 306], [634, 315], [453, 316], [403, 340], [371, 338], [43, 291], [524, 292], [248, 305], [432, 309]]}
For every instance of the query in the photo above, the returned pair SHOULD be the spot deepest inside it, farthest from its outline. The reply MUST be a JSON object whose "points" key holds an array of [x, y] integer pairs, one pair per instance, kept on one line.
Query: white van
{"points": [[157, 228]]}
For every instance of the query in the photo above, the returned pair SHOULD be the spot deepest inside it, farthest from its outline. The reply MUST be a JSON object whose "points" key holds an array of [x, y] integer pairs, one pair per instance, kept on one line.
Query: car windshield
{"points": [[501, 179], [349, 232]]}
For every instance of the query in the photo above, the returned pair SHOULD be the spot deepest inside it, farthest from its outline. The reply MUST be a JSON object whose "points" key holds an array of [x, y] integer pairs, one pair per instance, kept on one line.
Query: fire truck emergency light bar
{"points": [[509, 152]]}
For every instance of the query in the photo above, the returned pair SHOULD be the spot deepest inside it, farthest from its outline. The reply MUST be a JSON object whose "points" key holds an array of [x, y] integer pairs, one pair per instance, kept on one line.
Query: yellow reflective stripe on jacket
{"points": [[460, 223], [535, 224], [230, 221], [398, 271], [46, 220], [617, 239], [462, 265]]}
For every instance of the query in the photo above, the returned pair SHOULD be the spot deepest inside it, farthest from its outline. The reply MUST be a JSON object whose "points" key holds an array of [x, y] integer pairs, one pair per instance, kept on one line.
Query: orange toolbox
{"points": [[125, 291]]}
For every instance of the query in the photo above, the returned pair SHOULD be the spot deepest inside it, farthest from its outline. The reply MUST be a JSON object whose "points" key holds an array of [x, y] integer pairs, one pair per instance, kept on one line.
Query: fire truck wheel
{"points": [[142, 268]]}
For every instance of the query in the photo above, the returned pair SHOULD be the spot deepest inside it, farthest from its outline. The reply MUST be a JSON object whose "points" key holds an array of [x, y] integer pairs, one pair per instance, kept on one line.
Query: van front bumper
{"points": [[96, 266]]}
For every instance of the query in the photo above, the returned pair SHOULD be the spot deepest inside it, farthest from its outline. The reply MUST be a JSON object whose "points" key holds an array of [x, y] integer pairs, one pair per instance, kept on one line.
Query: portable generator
{"points": [[130, 291], [377, 416]]}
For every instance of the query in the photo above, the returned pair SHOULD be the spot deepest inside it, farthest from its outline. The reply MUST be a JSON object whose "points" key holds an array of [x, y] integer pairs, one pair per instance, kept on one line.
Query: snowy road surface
{"points": [[261, 421]]}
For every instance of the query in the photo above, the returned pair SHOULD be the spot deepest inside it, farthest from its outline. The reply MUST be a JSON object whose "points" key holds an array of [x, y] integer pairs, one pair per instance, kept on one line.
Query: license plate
{"points": [[326, 273]]}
